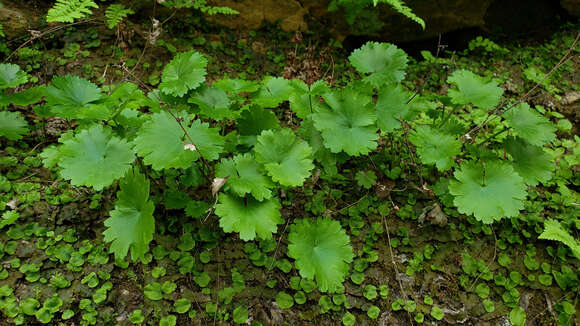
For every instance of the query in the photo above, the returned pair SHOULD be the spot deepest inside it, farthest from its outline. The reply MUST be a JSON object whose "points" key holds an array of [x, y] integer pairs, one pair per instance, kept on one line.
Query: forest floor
{"points": [[406, 263]]}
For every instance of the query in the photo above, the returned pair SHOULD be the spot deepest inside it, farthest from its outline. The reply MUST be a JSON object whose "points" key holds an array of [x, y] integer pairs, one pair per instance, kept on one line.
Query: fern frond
{"points": [[66, 11], [400, 7], [553, 230], [115, 14]]}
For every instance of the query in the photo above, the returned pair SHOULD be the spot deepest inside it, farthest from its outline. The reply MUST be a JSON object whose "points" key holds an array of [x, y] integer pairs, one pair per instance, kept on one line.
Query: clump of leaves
{"points": [[322, 251]]}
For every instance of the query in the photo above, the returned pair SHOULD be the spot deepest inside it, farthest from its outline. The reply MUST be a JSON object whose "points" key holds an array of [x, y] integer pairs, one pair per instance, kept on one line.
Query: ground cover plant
{"points": [[395, 192]]}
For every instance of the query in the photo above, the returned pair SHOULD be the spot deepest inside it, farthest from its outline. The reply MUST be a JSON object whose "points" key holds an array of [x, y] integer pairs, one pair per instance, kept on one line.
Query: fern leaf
{"points": [[400, 7], [553, 230], [66, 11], [115, 14]]}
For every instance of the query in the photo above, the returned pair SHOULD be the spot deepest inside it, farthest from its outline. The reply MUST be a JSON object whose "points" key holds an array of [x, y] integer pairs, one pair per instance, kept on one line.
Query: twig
{"points": [[36, 35]]}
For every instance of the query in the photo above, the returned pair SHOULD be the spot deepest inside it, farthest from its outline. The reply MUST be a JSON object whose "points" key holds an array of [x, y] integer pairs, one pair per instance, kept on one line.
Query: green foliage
{"points": [[348, 124], [435, 147], [400, 7], [200, 5], [354, 8], [11, 76], [115, 14], [66, 11], [287, 159], [379, 63], [162, 142], [553, 230], [248, 216], [530, 125], [185, 72], [94, 157], [489, 191], [322, 251], [531, 162], [72, 97], [392, 107], [12, 125], [244, 177], [131, 225], [473, 89]]}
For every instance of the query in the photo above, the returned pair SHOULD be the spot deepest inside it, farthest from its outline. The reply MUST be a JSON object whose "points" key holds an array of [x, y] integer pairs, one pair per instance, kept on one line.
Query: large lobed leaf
{"points": [[72, 97], [12, 125], [131, 224], [185, 72], [435, 147], [392, 107], [490, 191], [287, 159], [530, 125], [474, 89], [160, 141], [94, 157], [379, 63], [212, 102], [11, 76], [248, 216], [322, 251], [531, 162], [274, 91], [349, 124], [245, 177]]}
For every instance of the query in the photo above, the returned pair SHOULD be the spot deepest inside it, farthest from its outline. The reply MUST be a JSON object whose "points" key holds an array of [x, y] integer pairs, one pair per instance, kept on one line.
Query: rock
{"points": [[290, 13], [14, 22], [572, 6]]}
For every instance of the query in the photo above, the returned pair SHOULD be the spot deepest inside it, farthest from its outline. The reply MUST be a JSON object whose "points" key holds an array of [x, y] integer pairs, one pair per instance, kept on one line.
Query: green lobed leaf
{"points": [[27, 97], [274, 91], [245, 177], [207, 140], [531, 162], [255, 120], [530, 125], [489, 193], [392, 107], [322, 251], [72, 97], [248, 216], [379, 63], [12, 125], [131, 224], [286, 158], [435, 147], [94, 157], [11, 76], [160, 142], [473, 89], [185, 72], [349, 124], [213, 103], [304, 100]]}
